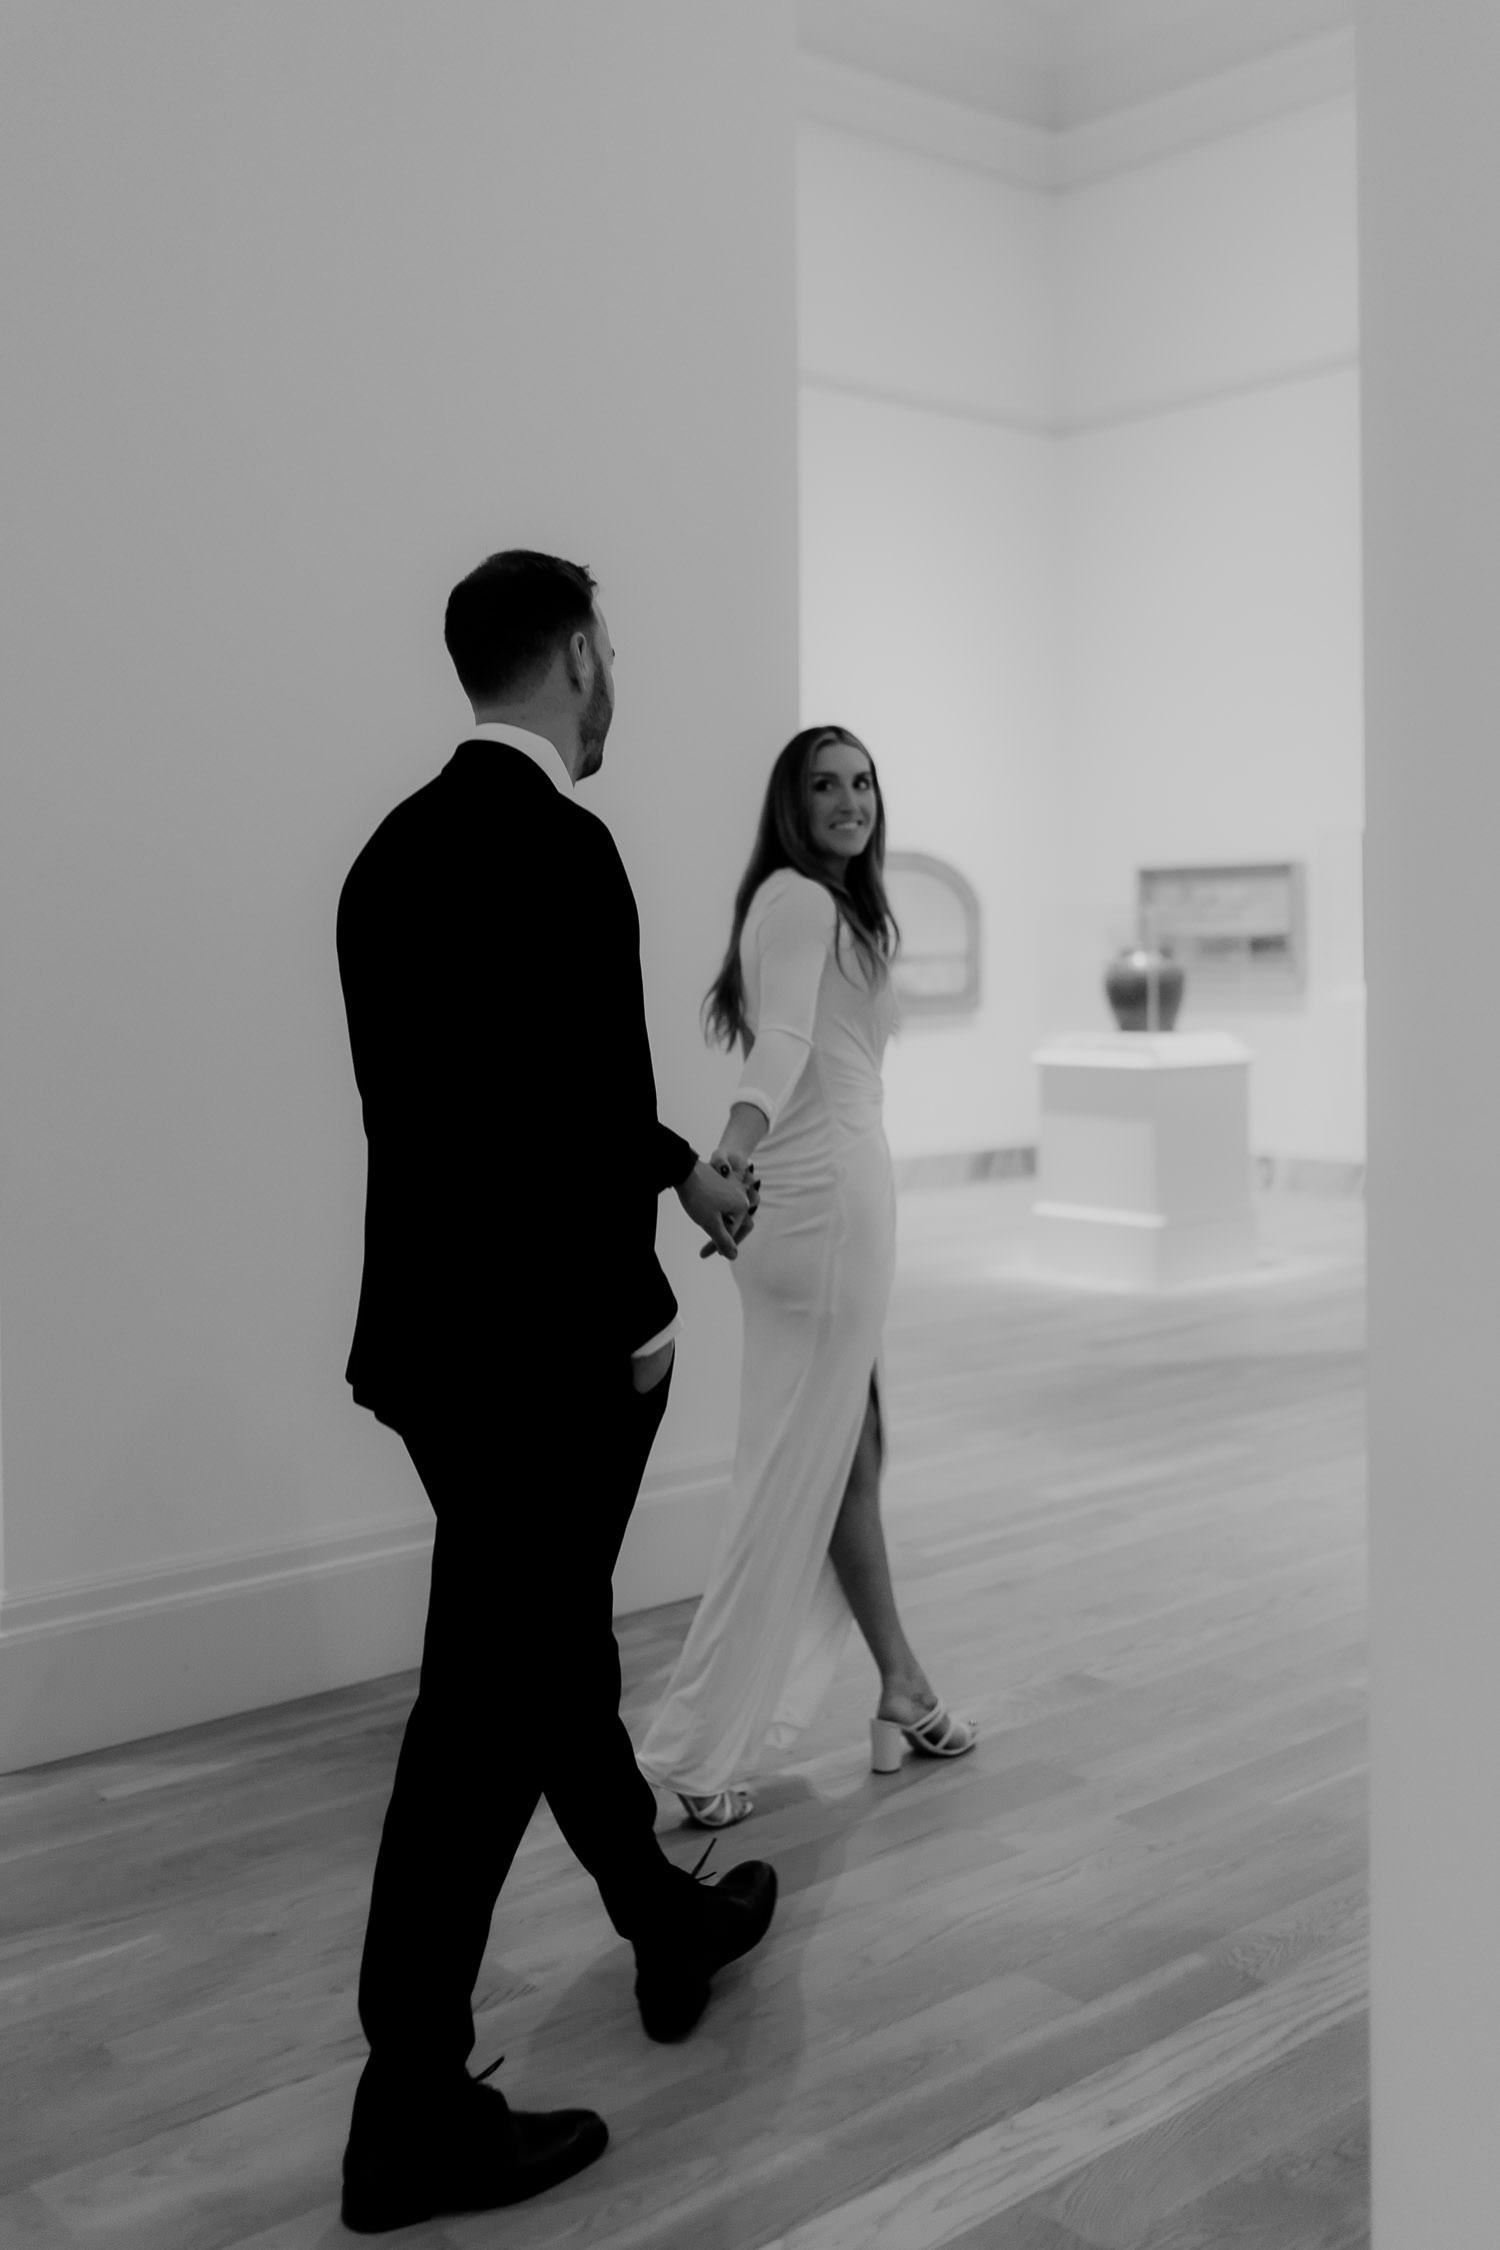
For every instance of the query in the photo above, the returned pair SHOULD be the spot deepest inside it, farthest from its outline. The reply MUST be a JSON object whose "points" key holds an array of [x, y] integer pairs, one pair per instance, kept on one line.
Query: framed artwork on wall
{"points": [[936, 970], [1238, 931]]}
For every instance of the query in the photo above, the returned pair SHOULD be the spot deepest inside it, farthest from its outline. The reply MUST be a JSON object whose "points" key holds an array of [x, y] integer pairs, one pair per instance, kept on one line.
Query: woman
{"points": [[805, 993]]}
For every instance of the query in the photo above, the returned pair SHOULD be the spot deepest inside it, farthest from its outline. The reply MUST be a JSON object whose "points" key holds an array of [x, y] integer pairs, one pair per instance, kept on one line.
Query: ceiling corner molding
{"points": [[1316, 70], [1031, 156], [836, 93]]}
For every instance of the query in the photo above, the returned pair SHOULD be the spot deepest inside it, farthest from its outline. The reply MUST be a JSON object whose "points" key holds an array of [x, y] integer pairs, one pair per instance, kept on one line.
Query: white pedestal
{"points": [[1144, 1159]]}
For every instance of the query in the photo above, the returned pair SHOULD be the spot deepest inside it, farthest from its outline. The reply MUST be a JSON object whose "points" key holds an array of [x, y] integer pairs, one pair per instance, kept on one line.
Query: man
{"points": [[515, 1328]]}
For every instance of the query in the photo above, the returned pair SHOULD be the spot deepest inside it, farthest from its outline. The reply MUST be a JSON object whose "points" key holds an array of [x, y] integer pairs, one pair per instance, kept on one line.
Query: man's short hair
{"points": [[505, 621]]}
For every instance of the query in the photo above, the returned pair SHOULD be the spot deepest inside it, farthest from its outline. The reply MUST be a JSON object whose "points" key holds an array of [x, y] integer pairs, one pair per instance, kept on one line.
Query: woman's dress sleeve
{"points": [[796, 936]]}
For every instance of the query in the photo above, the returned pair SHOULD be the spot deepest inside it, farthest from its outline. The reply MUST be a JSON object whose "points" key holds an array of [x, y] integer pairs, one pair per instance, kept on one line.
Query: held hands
{"points": [[736, 1170], [720, 1195]]}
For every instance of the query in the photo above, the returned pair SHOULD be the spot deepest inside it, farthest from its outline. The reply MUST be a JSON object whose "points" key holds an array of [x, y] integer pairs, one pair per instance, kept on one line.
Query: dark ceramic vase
{"points": [[1145, 988]]}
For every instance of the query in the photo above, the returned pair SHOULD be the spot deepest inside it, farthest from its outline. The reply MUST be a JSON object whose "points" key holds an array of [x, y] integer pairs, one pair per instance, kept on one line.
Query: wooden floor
{"points": [[1101, 1983]]}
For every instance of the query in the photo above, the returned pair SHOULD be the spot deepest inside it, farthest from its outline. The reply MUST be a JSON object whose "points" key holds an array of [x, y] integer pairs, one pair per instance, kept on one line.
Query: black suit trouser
{"points": [[518, 1699]]}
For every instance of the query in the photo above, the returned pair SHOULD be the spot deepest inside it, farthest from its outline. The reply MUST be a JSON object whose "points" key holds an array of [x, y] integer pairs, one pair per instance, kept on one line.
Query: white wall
{"points": [[1430, 187], [1080, 543], [1209, 487], [922, 278], [1210, 269], [928, 597], [307, 310]]}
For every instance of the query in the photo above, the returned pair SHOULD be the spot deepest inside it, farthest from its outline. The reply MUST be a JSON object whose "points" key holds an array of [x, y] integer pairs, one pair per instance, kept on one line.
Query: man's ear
{"points": [[580, 660]]}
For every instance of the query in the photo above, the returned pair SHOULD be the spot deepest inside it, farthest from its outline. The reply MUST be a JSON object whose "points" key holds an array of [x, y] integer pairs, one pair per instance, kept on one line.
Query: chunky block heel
{"points": [[937, 1735], [887, 1746]]}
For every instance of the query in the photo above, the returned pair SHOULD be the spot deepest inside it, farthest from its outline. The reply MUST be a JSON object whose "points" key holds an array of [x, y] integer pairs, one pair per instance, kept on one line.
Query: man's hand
{"points": [[731, 1163], [716, 1201]]}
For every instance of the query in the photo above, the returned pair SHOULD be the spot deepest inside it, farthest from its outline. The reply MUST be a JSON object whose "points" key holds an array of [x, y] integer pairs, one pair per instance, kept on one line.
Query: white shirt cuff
{"points": [[656, 1342]]}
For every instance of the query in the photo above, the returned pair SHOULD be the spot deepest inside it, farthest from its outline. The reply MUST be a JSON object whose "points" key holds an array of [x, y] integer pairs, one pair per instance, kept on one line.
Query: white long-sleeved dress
{"points": [[814, 1280]]}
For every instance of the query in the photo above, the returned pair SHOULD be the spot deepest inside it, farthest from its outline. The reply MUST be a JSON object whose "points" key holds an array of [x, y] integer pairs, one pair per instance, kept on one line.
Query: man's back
{"points": [[489, 952]]}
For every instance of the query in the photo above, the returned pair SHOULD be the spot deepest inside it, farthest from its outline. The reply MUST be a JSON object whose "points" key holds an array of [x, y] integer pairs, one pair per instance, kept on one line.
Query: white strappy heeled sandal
{"points": [[938, 1734], [721, 1810]]}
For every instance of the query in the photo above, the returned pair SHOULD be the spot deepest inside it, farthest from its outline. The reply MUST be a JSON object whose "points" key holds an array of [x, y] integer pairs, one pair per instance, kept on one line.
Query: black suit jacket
{"points": [[489, 951]]}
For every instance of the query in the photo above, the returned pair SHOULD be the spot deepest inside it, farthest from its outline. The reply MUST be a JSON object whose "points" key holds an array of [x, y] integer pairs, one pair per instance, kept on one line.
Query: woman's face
{"points": [[841, 802]]}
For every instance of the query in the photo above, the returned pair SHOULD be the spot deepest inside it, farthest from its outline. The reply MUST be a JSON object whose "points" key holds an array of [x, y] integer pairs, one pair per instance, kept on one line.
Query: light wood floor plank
{"points": [[1124, 2199], [1097, 1987], [927, 2205]]}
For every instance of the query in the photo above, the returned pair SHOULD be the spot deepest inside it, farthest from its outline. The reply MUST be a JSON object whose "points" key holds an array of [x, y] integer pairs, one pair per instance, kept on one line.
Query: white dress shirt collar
{"points": [[536, 747]]}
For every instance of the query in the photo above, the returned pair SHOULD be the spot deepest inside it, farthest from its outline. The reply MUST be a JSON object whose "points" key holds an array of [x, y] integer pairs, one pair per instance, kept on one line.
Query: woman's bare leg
{"points": [[858, 1554]]}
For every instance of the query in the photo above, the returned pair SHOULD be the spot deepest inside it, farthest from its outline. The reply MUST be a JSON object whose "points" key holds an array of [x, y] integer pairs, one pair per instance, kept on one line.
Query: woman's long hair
{"points": [[784, 839]]}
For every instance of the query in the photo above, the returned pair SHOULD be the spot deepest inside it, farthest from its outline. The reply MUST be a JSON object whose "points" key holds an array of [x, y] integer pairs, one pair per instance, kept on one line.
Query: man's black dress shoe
{"points": [[470, 2151], [714, 1924]]}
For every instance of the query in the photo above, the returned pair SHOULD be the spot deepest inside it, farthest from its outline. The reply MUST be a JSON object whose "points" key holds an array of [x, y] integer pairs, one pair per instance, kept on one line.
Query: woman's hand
{"points": [[715, 1200], [732, 1165], [747, 1127]]}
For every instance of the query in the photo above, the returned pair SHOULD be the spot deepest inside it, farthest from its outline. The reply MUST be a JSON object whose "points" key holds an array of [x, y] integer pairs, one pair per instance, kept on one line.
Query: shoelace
{"points": [[698, 1877]]}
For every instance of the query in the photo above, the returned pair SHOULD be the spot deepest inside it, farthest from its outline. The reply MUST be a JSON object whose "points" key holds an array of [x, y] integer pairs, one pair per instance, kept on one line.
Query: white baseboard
{"points": [[1311, 1175], [92, 1664], [1296, 1175], [672, 1535], [957, 1167]]}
